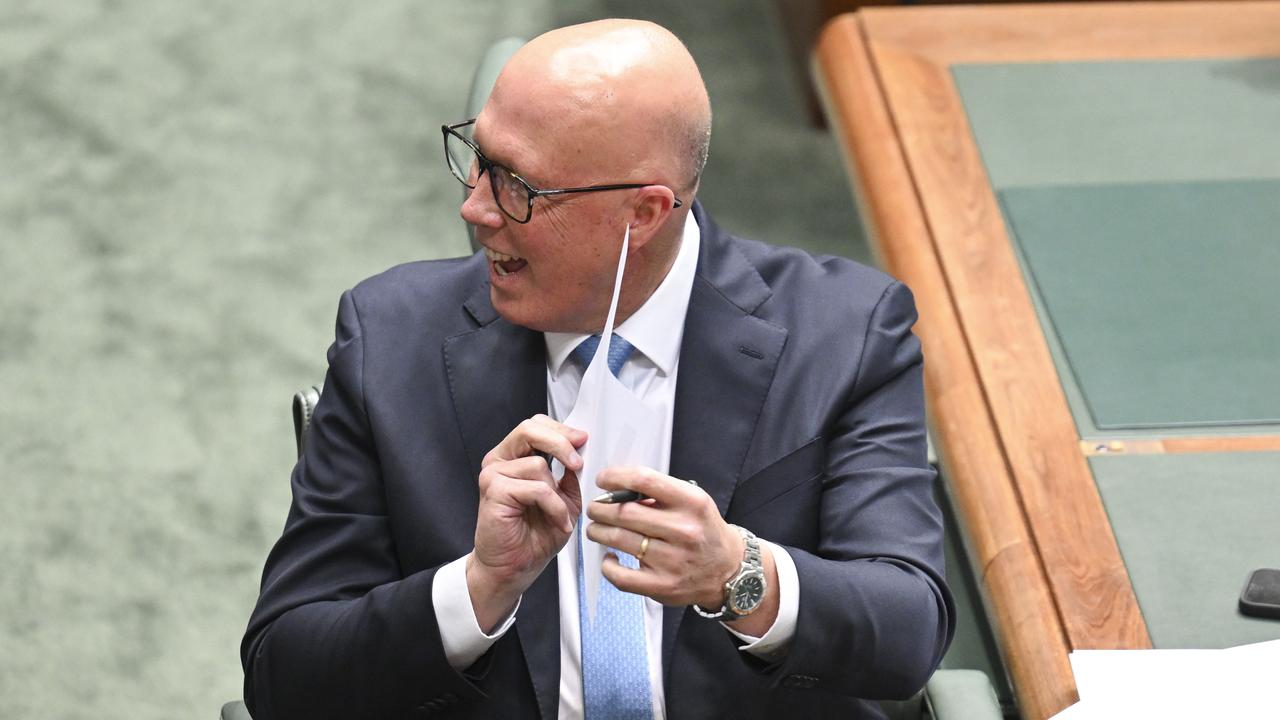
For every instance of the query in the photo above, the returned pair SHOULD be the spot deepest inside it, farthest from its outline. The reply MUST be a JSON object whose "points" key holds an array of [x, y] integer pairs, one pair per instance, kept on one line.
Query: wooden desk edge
{"points": [[1046, 32], [1029, 629], [917, 44]]}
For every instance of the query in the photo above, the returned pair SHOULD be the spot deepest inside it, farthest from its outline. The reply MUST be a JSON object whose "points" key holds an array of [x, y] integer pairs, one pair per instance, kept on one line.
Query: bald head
{"points": [[609, 103], [623, 98]]}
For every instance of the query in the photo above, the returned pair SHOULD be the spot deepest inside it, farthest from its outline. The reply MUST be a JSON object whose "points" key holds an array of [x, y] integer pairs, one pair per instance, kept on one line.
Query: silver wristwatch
{"points": [[745, 591]]}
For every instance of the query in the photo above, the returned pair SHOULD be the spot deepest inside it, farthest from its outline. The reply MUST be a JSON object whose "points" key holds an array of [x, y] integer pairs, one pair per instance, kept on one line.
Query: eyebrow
{"points": [[494, 158]]}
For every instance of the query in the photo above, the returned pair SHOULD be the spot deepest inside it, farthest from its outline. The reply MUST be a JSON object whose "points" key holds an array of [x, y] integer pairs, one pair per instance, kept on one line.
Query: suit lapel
{"points": [[727, 361], [497, 378]]}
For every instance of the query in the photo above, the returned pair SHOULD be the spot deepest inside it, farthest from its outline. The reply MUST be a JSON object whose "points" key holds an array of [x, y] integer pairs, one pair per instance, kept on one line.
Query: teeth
{"points": [[495, 256]]}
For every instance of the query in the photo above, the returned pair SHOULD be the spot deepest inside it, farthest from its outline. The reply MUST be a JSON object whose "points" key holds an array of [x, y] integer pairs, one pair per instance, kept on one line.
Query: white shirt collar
{"points": [[650, 328]]}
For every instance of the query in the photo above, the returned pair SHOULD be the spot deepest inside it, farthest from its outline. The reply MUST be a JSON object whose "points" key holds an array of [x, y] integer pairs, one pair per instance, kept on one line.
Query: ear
{"points": [[650, 212]]}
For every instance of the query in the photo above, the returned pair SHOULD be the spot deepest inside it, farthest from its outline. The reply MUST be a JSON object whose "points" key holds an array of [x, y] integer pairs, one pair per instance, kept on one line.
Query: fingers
{"points": [[690, 552], [525, 468], [647, 481], [668, 573], [637, 580], [529, 494], [540, 434], [681, 511], [628, 541], [646, 520], [527, 483]]}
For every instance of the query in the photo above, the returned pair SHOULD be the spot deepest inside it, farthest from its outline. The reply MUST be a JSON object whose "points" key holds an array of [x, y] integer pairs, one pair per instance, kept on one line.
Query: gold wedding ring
{"points": [[644, 548]]}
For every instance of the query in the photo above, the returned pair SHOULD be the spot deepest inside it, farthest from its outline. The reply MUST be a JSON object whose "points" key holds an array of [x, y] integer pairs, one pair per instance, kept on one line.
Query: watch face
{"points": [[748, 593]]}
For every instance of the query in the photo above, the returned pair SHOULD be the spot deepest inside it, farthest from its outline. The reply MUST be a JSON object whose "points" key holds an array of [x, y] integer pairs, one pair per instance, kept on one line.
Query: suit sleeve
{"points": [[875, 614], [338, 631]]}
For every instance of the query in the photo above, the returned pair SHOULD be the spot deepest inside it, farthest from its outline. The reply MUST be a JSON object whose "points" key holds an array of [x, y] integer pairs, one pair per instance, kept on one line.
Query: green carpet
{"points": [[186, 190]]}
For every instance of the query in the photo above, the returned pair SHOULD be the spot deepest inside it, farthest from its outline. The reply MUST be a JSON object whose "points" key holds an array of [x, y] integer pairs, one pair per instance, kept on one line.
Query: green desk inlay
{"points": [[1145, 200], [1111, 122], [1165, 298], [1191, 528]]}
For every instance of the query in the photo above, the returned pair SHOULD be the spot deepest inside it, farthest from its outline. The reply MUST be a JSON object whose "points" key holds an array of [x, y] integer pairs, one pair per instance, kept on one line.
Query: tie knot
{"points": [[619, 351]]}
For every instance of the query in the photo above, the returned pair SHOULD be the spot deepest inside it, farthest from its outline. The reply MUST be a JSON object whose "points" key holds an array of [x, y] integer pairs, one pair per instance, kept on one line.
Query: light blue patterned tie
{"points": [[615, 665], [619, 351]]}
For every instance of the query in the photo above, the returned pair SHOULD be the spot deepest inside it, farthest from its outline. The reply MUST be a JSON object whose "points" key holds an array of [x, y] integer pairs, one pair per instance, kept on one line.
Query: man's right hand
{"points": [[525, 515]]}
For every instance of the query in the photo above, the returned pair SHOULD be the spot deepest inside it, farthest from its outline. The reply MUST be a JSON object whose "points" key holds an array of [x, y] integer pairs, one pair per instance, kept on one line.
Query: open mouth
{"points": [[504, 264]]}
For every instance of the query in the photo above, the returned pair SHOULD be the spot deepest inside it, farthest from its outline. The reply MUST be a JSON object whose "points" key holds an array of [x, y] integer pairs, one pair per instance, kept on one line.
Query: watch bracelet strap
{"points": [[751, 557]]}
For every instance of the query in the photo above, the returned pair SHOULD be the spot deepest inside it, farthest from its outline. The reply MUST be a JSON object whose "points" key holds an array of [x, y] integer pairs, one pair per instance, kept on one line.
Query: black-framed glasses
{"points": [[513, 193]]}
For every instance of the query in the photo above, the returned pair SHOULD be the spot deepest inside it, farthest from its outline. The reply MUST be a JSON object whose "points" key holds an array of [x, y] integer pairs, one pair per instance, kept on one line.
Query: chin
{"points": [[539, 318], [520, 313]]}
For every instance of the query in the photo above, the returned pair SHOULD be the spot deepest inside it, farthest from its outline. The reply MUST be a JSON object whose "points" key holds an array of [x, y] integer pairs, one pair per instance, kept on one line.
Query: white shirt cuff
{"points": [[773, 645], [464, 642]]}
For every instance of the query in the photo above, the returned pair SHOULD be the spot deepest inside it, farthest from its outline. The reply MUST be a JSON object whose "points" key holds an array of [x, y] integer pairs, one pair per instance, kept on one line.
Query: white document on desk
{"points": [[1236, 682], [621, 430]]}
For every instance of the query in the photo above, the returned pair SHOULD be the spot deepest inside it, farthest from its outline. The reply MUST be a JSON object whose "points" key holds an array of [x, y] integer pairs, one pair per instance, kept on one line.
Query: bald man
{"points": [[430, 561]]}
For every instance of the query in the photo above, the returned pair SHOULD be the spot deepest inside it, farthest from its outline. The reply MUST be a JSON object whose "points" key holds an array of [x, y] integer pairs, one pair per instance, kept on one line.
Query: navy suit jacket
{"points": [[799, 408]]}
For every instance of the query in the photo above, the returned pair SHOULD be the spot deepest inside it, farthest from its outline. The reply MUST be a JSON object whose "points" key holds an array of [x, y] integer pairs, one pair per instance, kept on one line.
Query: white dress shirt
{"points": [[655, 330]]}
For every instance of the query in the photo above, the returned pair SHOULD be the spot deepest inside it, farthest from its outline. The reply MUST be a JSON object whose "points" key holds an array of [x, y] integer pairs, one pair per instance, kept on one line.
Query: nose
{"points": [[479, 208]]}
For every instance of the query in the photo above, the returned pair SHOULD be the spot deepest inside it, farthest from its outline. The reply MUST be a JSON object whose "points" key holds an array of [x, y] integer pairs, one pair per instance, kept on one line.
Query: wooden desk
{"points": [[1017, 464]]}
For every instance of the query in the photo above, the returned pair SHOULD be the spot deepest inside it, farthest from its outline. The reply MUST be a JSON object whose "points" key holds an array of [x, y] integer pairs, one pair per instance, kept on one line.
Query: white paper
{"points": [[1260, 651], [1079, 711], [1236, 682], [621, 430]]}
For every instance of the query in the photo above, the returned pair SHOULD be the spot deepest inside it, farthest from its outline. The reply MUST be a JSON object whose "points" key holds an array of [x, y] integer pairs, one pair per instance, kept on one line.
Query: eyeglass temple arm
{"points": [[597, 188]]}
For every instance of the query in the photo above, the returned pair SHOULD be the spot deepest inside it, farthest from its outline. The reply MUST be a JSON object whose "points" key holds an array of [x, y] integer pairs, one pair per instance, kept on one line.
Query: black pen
{"points": [[626, 496]]}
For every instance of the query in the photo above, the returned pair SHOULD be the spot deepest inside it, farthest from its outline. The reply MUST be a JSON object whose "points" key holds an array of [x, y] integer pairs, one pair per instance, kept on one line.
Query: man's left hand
{"points": [[692, 551]]}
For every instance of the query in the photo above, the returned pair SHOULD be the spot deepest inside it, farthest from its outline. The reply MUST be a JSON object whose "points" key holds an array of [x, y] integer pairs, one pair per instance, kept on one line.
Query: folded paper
{"points": [[621, 430]]}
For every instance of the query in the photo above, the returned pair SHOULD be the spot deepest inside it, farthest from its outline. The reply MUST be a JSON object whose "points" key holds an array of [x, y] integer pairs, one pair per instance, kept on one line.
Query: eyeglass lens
{"points": [[463, 162], [511, 195]]}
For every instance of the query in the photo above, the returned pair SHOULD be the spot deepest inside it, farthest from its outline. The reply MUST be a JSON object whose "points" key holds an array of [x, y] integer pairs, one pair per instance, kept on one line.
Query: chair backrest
{"points": [[304, 406]]}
